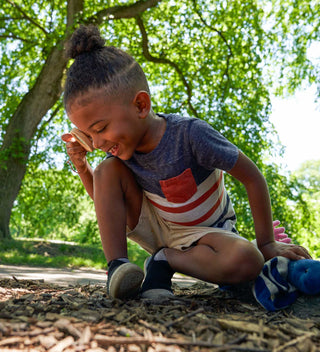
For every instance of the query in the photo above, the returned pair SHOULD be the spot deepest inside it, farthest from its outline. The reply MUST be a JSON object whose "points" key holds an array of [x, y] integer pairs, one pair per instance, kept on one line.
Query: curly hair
{"points": [[98, 66]]}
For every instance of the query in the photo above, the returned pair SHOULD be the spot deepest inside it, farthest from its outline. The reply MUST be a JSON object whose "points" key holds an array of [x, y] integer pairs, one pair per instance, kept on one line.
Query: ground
{"points": [[38, 316]]}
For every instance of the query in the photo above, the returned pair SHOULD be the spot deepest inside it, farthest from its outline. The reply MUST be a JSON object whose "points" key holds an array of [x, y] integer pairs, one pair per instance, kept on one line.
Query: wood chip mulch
{"points": [[36, 316]]}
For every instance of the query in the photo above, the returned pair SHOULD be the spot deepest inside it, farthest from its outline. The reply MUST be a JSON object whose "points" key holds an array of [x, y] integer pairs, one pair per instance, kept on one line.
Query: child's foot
{"points": [[124, 279], [157, 282]]}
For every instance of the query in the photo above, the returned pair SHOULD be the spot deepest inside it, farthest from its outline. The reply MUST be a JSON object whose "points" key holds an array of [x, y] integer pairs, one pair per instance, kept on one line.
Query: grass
{"points": [[50, 254], [46, 253]]}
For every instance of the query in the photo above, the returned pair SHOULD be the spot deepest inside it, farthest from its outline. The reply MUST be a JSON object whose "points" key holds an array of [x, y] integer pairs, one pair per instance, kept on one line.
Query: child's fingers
{"points": [[276, 223], [282, 235], [285, 240], [302, 252], [67, 137], [296, 252], [73, 147], [77, 152], [278, 230]]}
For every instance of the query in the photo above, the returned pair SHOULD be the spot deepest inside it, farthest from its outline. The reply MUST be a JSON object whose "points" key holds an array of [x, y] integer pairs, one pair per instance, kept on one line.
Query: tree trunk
{"points": [[15, 150], [22, 127]]}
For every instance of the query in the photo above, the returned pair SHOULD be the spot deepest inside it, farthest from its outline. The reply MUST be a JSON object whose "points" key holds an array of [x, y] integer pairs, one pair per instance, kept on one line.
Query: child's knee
{"points": [[109, 170], [115, 178], [246, 262]]}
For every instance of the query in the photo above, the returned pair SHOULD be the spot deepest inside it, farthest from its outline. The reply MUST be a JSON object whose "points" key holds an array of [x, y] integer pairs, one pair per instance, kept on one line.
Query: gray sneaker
{"points": [[124, 279]]}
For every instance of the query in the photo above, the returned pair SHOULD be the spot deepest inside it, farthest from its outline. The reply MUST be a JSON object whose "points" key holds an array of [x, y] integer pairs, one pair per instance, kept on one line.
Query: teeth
{"points": [[112, 148]]}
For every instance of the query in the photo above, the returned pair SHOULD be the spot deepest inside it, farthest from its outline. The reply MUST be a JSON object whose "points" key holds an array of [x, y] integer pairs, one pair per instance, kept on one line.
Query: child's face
{"points": [[114, 126]]}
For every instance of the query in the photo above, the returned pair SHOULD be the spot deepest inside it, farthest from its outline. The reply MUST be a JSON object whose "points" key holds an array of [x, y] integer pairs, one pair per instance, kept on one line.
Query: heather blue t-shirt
{"points": [[183, 175]]}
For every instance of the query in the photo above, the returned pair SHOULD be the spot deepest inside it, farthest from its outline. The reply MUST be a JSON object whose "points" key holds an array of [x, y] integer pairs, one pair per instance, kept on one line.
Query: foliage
{"points": [[295, 202], [293, 28], [286, 195], [177, 45], [308, 177], [54, 206], [136, 254], [216, 61], [51, 194]]}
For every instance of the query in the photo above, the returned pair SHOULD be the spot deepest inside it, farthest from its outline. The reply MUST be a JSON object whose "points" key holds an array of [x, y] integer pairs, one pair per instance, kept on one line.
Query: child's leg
{"points": [[218, 258], [118, 200]]}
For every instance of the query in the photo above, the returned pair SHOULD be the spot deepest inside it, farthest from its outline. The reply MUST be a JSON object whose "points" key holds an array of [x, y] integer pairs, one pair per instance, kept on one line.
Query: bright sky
{"points": [[297, 120]]}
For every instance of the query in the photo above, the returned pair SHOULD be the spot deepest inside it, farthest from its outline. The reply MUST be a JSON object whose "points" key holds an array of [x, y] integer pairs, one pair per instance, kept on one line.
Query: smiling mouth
{"points": [[114, 149]]}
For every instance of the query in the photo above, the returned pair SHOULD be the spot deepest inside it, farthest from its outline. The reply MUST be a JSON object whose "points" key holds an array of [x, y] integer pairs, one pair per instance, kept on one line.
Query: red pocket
{"points": [[179, 189]]}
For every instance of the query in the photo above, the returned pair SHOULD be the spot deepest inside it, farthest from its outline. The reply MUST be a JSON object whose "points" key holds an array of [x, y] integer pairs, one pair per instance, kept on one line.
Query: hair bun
{"points": [[85, 39]]}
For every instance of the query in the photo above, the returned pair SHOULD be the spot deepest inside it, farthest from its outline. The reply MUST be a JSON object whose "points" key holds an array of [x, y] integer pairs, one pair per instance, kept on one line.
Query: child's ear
{"points": [[143, 102]]}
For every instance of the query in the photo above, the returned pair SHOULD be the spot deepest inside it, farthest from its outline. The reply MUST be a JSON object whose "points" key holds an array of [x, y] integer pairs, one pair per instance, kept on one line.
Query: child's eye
{"points": [[101, 129]]}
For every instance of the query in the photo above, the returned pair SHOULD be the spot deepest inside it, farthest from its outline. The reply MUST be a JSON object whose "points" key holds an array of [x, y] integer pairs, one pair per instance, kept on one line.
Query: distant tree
{"points": [[308, 222], [293, 27], [309, 176], [53, 206]]}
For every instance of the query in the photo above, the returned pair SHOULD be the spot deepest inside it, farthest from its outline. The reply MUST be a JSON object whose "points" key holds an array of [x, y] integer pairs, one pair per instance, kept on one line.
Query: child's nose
{"points": [[96, 141]]}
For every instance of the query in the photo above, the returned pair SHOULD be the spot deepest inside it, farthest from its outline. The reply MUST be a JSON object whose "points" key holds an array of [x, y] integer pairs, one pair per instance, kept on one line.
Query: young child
{"points": [[162, 185]]}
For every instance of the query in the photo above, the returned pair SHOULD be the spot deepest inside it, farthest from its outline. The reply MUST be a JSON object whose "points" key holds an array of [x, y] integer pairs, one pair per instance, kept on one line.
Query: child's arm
{"points": [[250, 176], [77, 155]]}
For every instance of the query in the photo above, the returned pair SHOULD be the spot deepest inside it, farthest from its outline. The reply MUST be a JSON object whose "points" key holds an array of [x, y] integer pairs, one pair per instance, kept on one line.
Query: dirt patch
{"points": [[36, 316]]}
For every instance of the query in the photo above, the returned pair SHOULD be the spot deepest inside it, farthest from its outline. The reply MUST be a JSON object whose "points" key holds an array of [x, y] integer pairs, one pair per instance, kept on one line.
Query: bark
{"points": [[15, 149], [21, 129], [35, 104]]}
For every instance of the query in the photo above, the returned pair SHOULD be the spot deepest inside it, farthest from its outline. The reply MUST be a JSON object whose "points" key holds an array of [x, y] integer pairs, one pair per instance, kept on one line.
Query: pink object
{"points": [[279, 234]]}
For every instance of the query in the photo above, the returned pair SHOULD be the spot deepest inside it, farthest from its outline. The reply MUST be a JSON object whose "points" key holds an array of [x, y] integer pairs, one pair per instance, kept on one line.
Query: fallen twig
{"points": [[191, 314], [105, 341], [293, 342]]}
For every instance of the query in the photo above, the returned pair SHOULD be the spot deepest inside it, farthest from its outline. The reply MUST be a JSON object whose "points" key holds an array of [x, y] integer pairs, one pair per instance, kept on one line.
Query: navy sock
{"points": [[160, 255]]}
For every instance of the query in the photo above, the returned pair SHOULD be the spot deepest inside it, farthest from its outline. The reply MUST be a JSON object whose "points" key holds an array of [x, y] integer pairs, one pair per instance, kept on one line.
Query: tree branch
{"points": [[220, 34], [41, 129], [74, 7], [26, 16], [125, 11], [165, 61], [46, 122], [11, 18], [17, 38]]}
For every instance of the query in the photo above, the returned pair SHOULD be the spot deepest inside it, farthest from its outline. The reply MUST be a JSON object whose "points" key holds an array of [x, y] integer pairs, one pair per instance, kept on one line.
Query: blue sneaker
{"points": [[124, 279], [157, 282]]}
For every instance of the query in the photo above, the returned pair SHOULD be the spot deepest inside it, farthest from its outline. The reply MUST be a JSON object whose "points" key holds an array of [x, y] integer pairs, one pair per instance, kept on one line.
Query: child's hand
{"points": [[76, 153], [279, 234], [290, 251]]}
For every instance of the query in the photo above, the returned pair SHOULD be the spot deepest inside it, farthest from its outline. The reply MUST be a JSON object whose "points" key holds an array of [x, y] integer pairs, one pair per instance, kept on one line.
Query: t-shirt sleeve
{"points": [[210, 148]]}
